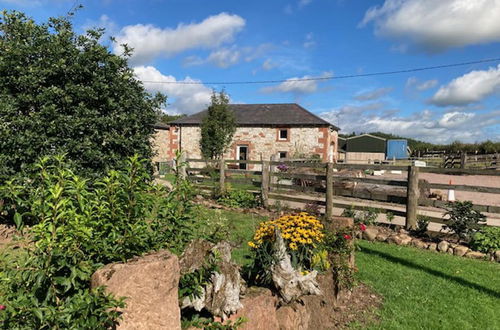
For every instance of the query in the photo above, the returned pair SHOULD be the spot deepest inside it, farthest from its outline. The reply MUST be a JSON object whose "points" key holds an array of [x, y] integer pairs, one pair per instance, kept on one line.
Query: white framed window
{"points": [[283, 134]]}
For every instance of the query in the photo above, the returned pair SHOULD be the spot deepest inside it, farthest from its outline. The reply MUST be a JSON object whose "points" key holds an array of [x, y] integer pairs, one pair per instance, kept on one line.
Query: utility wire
{"points": [[382, 73]]}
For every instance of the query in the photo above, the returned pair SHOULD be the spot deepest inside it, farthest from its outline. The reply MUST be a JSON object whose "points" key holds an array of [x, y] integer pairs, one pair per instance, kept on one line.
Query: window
{"points": [[282, 154], [283, 134]]}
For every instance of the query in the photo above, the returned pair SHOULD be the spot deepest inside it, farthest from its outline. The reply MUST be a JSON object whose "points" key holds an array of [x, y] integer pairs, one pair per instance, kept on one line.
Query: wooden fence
{"points": [[325, 185]]}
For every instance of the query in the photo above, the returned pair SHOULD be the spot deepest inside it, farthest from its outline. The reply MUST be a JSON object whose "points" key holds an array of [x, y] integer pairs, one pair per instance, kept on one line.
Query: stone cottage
{"points": [[263, 130]]}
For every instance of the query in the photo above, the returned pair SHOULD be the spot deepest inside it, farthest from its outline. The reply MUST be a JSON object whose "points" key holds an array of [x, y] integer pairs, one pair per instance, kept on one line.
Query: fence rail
{"points": [[326, 185]]}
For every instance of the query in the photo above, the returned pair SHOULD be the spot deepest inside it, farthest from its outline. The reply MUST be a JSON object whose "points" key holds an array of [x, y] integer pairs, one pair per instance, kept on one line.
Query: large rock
{"points": [[432, 247], [259, 310], [221, 297], [443, 246], [400, 239], [293, 317], [497, 255], [460, 250], [150, 284], [419, 243], [370, 233], [475, 255]]}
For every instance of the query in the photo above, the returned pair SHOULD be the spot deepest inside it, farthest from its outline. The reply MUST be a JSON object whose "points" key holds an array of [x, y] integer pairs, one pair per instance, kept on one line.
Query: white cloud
{"points": [[309, 42], [414, 83], [182, 98], [469, 88], [303, 3], [268, 65], [373, 94], [150, 41], [426, 125], [436, 25], [296, 86], [228, 56]]}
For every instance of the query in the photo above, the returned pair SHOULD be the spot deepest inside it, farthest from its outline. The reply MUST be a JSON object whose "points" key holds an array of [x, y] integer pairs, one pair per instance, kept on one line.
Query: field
{"points": [[420, 289]]}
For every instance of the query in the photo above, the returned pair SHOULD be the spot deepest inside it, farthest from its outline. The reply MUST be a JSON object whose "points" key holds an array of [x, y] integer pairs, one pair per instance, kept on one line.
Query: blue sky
{"points": [[206, 41]]}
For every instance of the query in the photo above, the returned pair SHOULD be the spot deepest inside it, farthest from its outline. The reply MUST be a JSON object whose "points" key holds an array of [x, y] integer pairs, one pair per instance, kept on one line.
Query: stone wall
{"points": [[161, 145], [263, 142]]}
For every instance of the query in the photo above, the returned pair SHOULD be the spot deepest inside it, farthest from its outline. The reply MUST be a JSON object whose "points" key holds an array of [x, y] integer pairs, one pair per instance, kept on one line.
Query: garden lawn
{"points": [[426, 290], [420, 289]]}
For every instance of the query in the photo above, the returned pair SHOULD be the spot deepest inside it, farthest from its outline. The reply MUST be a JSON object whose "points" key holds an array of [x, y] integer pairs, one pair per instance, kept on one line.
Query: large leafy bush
{"points": [[78, 225], [463, 220], [61, 92], [487, 239]]}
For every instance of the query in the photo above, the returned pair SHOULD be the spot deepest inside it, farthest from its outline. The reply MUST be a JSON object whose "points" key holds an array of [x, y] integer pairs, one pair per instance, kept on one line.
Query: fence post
{"points": [[329, 191], [463, 159], [222, 176], [273, 179], [265, 184], [412, 196]]}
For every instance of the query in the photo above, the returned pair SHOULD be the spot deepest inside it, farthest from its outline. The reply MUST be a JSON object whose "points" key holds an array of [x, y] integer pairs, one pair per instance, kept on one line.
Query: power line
{"points": [[382, 73]]}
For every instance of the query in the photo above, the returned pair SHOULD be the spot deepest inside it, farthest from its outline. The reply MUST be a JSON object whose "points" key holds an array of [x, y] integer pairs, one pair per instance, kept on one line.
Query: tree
{"points": [[61, 92], [217, 127]]}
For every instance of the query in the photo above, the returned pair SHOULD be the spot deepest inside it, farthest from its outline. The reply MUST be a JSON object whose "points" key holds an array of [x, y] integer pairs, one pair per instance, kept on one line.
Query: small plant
{"points": [[389, 216], [463, 219], [486, 240], [422, 225], [282, 168], [211, 324], [239, 199], [191, 284], [369, 216]]}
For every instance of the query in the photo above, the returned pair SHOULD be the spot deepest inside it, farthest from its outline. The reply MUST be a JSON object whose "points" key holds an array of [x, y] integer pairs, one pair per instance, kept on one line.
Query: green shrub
{"points": [[239, 199], [463, 219], [422, 225], [368, 217], [487, 239], [77, 227]]}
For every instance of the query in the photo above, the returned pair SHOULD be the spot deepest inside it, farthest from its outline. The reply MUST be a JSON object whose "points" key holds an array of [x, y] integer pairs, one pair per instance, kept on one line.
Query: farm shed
{"points": [[397, 149], [365, 148], [266, 130]]}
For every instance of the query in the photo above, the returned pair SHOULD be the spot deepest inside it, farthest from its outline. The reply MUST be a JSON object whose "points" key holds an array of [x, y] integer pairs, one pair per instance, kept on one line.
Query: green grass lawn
{"points": [[420, 289], [427, 290]]}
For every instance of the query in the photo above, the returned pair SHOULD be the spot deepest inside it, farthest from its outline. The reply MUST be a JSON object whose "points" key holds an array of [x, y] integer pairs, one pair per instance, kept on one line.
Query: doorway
{"points": [[242, 154]]}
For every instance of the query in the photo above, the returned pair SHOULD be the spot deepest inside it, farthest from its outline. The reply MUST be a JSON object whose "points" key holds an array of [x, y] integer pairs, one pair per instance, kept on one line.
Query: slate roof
{"points": [[160, 125], [286, 114]]}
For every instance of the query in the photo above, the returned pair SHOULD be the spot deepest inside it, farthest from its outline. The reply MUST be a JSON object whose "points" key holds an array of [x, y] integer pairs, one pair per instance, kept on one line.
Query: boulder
{"points": [[150, 284], [475, 255], [419, 244], [221, 297], [432, 247], [400, 239], [460, 250], [293, 317], [497, 255], [382, 237], [443, 246], [259, 310], [370, 233]]}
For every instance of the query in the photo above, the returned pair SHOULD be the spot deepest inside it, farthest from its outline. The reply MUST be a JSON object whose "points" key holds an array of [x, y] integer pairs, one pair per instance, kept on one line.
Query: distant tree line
{"points": [[486, 147]]}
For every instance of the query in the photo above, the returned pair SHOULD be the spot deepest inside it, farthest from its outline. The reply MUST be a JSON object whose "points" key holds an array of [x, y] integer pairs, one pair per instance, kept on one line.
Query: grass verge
{"points": [[427, 290]]}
